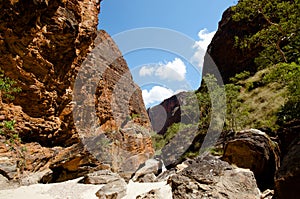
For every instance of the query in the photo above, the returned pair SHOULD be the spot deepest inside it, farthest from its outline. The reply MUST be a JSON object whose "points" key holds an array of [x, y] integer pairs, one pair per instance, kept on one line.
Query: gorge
{"points": [[79, 128]]}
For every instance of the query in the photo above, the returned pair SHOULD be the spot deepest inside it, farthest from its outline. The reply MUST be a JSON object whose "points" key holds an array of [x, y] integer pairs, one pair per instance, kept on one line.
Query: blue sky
{"points": [[162, 70]]}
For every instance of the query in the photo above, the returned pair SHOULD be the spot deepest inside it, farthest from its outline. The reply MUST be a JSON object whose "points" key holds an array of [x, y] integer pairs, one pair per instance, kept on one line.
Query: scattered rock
{"points": [[113, 190], [151, 166], [114, 186], [181, 167], [287, 178], [209, 177], [34, 178], [267, 194], [147, 178], [6, 184], [153, 194], [100, 177], [254, 150]]}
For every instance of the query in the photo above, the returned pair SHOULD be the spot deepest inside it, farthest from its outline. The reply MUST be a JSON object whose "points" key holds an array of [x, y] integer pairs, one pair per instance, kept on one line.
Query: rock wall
{"points": [[43, 46], [222, 50]]}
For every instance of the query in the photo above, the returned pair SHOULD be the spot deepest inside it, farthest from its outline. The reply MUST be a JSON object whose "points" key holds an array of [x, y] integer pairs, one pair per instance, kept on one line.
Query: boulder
{"points": [[147, 178], [114, 186], [209, 177], [151, 166], [101, 177], [4, 183], [113, 190], [254, 150], [287, 178]]}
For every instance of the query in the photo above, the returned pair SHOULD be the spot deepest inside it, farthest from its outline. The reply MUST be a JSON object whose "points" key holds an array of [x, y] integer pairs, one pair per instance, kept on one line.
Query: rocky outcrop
{"points": [[172, 111], [287, 178], [230, 59], [209, 177], [47, 47], [254, 150], [43, 43]]}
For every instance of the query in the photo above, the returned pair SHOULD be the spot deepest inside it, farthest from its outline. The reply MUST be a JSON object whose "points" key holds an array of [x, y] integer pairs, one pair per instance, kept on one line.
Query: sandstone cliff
{"points": [[43, 46], [230, 59]]}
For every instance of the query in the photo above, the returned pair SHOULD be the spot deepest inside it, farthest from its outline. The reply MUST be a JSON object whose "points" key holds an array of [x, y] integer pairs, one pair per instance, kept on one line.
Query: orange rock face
{"points": [[45, 47]]}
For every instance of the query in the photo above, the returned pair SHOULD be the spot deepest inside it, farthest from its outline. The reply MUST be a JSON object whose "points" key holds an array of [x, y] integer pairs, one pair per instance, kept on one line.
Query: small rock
{"points": [[113, 190], [267, 194], [180, 167], [147, 178], [151, 167], [153, 194]]}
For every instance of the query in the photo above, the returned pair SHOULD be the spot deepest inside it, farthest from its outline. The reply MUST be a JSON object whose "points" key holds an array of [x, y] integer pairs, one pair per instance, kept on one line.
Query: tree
{"points": [[232, 93], [279, 35]]}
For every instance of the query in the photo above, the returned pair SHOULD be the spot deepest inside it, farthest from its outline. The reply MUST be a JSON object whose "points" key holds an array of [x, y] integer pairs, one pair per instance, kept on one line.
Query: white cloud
{"points": [[205, 38], [173, 70], [146, 71], [156, 95]]}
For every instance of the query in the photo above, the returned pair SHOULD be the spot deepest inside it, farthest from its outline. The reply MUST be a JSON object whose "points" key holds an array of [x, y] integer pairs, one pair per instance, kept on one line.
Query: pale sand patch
{"points": [[134, 189], [73, 190], [65, 190]]}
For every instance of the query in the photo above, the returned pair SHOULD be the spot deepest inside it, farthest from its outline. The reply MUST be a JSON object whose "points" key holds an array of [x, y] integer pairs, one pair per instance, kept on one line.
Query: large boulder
{"points": [[209, 177], [254, 150]]}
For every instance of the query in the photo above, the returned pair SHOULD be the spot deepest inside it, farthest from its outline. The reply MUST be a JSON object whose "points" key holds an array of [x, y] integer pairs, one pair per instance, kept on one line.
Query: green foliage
{"points": [[278, 35], [240, 76], [212, 103], [7, 87], [7, 126], [288, 76], [158, 141], [135, 115], [7, 130]]}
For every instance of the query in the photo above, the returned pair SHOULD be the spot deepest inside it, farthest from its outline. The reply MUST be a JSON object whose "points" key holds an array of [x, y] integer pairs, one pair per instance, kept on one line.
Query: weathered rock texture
{"points": [[170, 111], [254, 150], [43, 45], [230, 59], [287, 178], [209, 177]]}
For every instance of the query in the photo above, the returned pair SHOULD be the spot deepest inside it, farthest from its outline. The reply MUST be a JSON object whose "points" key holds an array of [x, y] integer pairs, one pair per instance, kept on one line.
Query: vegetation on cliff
{"points": [[267, 99]]}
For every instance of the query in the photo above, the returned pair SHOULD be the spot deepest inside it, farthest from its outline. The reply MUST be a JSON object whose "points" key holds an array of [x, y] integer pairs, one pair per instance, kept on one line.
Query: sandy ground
{"points": [[73, 190]]}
